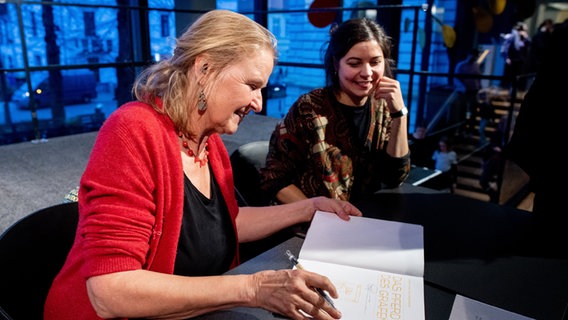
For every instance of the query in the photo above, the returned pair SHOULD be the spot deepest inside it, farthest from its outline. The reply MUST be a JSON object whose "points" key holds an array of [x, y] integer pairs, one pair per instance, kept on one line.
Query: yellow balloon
{"points": [[449, 35], [483, 19], [497, 6]]}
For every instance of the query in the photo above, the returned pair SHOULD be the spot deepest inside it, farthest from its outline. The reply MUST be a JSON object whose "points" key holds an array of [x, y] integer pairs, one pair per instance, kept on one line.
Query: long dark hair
{"points": [[348, 34]]}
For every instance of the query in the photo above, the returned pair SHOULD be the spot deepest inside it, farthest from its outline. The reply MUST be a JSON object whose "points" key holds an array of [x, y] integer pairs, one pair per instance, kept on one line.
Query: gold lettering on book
{"points": [[389, 297]]}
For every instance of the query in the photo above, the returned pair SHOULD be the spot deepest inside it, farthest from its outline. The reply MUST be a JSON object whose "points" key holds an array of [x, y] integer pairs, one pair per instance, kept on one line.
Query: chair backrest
{"points": [[246, 162], [32, 252]]}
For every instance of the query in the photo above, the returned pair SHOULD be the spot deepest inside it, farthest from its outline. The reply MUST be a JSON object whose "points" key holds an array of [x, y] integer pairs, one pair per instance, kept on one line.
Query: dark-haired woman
{"points": [[348, 138]]}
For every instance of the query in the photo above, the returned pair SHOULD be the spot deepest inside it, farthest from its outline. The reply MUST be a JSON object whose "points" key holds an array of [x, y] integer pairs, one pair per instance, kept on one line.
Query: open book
{"points": [[376, 265]]}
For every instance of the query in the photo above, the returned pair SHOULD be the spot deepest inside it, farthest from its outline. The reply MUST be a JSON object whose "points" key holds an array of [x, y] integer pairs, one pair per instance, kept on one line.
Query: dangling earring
{"points": [[201, 102]]}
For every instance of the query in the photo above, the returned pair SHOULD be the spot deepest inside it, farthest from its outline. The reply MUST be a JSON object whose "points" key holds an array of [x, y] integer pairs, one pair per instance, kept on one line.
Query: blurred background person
{"points": [[467, 89], [493, 162], [515, 49], [445, 160], [485, 113]]}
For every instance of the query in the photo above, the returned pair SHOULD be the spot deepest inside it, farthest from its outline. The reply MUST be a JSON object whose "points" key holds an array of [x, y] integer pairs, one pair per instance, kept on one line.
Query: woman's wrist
{"points": [[399, 114]]}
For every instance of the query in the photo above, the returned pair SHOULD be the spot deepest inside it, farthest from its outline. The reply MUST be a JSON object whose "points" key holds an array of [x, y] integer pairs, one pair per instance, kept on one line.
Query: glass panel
{"points": [[34, 34], [93, 32], [354, 12], [70, 35], [163, 4], [53, 98], [298, 42], [86, 100], [162, 27], [162, 40], [286, 84], [10, 44]]}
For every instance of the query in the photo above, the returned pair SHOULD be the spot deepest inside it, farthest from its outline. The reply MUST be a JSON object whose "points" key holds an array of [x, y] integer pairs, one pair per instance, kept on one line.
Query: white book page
{"points": [[469, 309], [366, 243], [371, 294]]}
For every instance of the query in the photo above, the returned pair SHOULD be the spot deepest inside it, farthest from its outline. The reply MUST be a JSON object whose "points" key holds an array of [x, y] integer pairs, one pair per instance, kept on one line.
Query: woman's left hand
{"points": [[343, 209]]}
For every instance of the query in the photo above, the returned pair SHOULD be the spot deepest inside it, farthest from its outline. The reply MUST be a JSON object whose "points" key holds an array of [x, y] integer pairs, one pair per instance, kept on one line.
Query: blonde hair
{"points": [[225, 37]]}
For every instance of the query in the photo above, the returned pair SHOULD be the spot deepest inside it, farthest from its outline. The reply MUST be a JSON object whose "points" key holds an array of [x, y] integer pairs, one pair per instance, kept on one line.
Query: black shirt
{"points": [[207, 239]]}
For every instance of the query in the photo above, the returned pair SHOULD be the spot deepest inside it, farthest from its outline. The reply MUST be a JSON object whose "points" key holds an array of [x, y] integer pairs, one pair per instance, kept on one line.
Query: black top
{"points": [[207, 238], [360, 120]]}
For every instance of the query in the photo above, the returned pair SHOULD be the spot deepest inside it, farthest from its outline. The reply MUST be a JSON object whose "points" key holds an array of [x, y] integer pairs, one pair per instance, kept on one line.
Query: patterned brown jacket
{"points": [[321, 149]]}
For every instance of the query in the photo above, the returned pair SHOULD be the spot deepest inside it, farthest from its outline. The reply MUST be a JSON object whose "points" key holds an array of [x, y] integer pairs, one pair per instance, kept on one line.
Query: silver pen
{"points": [[296, 263]]}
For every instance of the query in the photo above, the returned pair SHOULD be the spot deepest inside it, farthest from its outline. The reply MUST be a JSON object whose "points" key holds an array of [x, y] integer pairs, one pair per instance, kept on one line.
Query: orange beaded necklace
{"points": [[191, 153]]}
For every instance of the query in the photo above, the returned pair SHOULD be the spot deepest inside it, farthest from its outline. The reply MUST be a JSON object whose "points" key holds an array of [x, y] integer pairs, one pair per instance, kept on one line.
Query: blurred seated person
{"points": [[493, 162], [445, 160], [467, 89], [349, 138], [421, 148], [486, 113]]}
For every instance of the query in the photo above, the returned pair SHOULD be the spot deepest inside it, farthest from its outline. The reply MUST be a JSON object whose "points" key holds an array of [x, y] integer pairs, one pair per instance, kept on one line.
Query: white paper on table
{"points": [[468, 309], [376, 265], [371, 294], [365, 242]]}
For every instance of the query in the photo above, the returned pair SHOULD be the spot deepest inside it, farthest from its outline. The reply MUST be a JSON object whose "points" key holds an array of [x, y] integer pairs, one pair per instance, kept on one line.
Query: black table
{"points": [[492, 253], [419, 175]]}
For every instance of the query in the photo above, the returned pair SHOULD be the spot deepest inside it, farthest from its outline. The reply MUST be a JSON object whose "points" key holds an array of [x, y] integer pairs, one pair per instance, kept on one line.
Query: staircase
{"points": [[469, 171], [470, 153]]}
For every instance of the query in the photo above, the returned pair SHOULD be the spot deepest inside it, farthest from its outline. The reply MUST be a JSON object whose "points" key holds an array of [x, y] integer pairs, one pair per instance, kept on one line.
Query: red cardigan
{"points": [[130, 205]]}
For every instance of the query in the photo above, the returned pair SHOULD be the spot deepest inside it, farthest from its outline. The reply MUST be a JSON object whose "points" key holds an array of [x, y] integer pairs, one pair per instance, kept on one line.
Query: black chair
{"points": [[246, 162], [33, 251]]}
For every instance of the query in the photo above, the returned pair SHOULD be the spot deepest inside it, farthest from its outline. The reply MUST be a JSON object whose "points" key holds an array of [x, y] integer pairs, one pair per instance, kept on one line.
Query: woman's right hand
{"points": [[286, 292]]}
